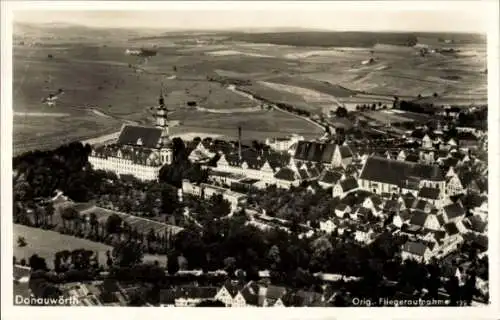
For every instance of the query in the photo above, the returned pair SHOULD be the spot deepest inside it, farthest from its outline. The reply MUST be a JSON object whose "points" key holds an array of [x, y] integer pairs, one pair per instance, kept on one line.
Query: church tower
{"points": [[162, 123]]}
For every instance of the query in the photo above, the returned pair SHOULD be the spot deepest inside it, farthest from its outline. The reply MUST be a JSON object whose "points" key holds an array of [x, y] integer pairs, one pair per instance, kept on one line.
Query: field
{"points": [[95, 73], [393, 116], [46, 243]]}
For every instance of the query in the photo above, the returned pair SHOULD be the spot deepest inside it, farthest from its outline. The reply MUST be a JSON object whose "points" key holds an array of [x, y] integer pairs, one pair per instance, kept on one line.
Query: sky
{"points": [[389, 16]]}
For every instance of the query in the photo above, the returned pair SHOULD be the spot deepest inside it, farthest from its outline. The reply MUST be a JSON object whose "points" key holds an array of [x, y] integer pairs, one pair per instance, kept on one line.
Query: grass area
{"points": [[312, 84], [46, 243]]}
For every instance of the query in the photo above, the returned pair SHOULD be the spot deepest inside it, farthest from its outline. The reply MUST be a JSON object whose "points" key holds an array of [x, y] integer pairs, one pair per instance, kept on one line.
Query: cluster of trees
{"points": [[373, 106], [181, 168], [426, 108], [477, 119], [297, 204], [292, 109]]}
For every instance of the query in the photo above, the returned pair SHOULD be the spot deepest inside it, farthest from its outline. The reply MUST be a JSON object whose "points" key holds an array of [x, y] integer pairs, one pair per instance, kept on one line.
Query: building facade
{"points": [[140, 151]]}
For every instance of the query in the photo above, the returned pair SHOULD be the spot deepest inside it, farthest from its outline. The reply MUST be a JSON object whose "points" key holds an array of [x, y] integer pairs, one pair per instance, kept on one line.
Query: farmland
{"points": [[46, 243], [310, 76]]}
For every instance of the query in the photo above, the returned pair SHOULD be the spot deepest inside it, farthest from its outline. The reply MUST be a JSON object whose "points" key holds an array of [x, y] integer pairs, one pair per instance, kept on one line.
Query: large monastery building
{"points": [[139, 151]]}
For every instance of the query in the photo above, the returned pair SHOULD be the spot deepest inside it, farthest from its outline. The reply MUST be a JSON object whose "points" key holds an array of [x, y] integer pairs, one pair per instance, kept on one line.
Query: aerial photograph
{"points": [[219, 158]]}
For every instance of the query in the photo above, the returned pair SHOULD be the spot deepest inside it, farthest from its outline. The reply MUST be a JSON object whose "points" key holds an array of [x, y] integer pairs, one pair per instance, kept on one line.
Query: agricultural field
{"points": [[393, 116], [97, 75], [46, 243]]}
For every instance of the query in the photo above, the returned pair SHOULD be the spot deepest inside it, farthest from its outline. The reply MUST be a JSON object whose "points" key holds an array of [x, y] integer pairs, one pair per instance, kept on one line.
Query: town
{"points": [[384, 209]]}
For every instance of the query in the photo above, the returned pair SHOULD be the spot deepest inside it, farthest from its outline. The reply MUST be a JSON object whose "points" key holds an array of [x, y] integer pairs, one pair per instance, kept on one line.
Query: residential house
{"points": [[328, 154], [453, 212], [344, 187], [425, 220], [283, 144], [401, 218], [329, 178], [342, 210], [416, 250], [374, 203], [327, 226], [271, 296], [432, 195]]}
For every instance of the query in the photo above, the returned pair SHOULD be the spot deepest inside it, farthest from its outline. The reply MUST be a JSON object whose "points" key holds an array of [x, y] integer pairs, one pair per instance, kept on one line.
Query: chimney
{"points": [[239, 143]]}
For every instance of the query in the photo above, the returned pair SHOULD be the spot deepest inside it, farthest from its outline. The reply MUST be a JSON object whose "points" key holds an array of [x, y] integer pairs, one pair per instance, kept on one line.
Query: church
{"points": [[139, 151]]}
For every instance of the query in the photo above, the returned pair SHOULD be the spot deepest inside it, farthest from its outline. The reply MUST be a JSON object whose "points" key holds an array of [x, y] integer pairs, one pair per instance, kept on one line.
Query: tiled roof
{"points": [[348, 184], [395, 172], [451, 228], [287, 174], [415, 247], [131, 135], [429, 193], [454, 210], [405, 214], [319, 152], [475, 223], [419, 218], [329, 176]]}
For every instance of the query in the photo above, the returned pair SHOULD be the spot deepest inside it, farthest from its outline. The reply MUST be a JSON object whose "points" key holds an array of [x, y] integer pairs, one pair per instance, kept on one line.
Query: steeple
{"points": [[161, 118]]}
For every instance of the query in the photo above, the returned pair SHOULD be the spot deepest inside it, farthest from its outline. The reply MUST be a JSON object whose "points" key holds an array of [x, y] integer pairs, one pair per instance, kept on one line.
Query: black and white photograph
{"points": [[239, 155]]}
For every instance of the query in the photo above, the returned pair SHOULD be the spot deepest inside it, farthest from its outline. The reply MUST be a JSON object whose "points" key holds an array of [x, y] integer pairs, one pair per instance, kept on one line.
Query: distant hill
{"points": [[73, 32]]}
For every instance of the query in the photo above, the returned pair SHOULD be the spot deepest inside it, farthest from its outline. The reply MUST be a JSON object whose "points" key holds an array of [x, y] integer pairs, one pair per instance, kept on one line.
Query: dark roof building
{"points": [[140, 136], [429, 193], [349, 184], [394, 172], [453, 211]]}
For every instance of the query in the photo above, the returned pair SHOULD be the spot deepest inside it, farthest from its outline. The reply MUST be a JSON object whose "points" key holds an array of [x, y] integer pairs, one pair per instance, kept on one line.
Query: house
{"points": [[373, 203], [287, 177], [342, 209], [381, 175], [481, 211], [416, 250], [425, 220], [451, 241], [327, 226], [200, 154], [271, 296], [283, 143], [474, 224], [453, 212], [453, 185], [329, 178], [231, 294], [401, 218], [344, 187], [364, 234], [432, 195], [328, 154]]}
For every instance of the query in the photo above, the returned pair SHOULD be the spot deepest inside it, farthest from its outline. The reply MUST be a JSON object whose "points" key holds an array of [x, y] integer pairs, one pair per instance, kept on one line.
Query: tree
{"points": [[21, 242], [113, 224], [341, 112], [37, 263], [230, 265], [172, 264], [273, 256], [128, 254]]}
